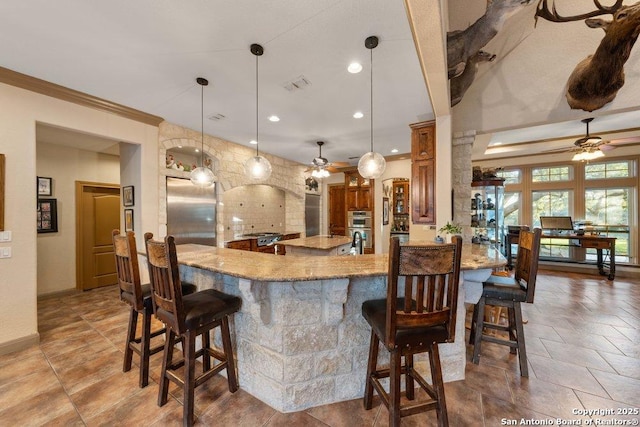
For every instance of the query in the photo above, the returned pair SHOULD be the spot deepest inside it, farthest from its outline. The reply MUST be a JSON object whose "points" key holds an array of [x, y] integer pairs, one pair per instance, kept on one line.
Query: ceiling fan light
{"points": [[320, 173], [257, 168], [587, 155], [578, 157], [371, 165]]}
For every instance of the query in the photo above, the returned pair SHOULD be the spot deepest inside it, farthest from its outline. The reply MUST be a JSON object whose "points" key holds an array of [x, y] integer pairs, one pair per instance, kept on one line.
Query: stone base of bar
{"points": [[304, 344]]}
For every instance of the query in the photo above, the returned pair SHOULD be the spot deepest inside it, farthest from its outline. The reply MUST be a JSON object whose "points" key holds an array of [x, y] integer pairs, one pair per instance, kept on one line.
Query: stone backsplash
{"points": [[253, 208]]}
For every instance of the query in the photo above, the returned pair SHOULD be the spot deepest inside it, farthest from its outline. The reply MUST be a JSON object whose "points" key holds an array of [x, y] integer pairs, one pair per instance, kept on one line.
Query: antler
{"points": [[542, 11]]}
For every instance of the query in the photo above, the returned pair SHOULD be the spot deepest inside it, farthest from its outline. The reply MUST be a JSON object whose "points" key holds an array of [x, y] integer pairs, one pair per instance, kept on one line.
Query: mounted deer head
{"points": [[596, 79]]}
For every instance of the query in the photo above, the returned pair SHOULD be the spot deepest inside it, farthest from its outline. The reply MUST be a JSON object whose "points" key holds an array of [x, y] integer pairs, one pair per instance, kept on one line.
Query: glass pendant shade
{"points": [[257, 168], [202, 177], [371, 165]]}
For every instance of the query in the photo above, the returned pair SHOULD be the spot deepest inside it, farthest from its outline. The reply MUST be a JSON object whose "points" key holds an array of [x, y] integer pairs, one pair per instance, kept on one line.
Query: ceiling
{"points": [[147, 54]]}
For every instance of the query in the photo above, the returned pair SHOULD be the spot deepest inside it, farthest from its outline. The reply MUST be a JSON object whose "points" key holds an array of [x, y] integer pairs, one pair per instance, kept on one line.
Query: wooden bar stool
{"points": [[411, 322], [139, 298], [187, 316], [509, 292]]}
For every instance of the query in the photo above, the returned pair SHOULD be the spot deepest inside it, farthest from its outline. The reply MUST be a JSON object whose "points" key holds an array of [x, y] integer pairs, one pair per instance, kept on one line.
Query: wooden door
{"points": [[337, 211], [97, 214]]}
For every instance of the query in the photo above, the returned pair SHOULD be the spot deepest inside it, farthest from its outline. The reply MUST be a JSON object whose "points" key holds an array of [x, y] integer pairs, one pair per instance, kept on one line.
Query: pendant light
{"points": [[202, 176], [371, 165], [257, 168]]}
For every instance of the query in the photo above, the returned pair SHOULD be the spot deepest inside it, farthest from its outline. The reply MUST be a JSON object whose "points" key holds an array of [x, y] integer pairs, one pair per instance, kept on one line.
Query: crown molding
{"points": [[53, 90]]}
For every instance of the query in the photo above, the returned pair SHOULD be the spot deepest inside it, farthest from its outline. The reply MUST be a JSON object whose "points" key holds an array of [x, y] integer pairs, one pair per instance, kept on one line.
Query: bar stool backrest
{"points": [[126, 256], [165, 282], [431, 278], [527, 261]]}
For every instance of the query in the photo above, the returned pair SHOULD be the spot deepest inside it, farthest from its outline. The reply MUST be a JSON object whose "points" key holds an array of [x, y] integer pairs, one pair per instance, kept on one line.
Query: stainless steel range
{"points": [[265, 238]]}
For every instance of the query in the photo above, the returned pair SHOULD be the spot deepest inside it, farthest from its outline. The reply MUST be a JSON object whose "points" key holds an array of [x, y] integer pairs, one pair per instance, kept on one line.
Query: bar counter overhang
{"points": [[300, 337]]}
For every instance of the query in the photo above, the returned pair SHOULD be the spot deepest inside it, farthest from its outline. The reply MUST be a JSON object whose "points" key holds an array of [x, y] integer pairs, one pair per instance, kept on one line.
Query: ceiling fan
{"points": [[591, 147], [320, 166]]}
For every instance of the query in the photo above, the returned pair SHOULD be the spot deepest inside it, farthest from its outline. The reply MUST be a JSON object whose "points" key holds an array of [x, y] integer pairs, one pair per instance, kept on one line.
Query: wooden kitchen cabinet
{"points": [[359, 194], [423, 173], [423, 140], [244, 245], [401, 197]]}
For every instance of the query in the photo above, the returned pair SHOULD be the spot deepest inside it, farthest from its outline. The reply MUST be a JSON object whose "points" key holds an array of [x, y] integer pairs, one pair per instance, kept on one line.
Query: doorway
{"points": [[337, 211], [97, 214]]}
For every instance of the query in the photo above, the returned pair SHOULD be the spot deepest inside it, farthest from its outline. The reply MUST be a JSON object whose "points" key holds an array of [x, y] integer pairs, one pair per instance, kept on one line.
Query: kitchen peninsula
{"points": [[318, 245], [300, 338]]}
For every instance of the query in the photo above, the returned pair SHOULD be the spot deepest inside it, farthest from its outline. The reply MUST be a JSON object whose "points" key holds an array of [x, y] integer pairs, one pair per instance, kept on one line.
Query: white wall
{"points": [[19, 111], [56, 266], [526, 83]]}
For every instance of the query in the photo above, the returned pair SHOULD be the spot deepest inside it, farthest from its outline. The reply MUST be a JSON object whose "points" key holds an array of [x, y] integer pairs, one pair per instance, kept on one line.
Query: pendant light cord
{"points": [[257, 152], [202, 123], [371, 97]]}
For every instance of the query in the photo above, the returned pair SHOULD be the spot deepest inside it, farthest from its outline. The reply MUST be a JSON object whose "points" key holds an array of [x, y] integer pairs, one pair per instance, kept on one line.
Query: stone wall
{"points": [[228, 159], [461, 177]]}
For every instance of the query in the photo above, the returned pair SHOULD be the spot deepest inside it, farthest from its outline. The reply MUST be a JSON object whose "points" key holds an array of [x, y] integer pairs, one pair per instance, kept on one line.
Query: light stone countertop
{"points": [[273, 268], [317, 242]]}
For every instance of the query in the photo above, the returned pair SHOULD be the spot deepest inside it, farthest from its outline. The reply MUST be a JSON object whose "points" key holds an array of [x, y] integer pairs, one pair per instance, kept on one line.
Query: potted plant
{"points": [[450, 229]]}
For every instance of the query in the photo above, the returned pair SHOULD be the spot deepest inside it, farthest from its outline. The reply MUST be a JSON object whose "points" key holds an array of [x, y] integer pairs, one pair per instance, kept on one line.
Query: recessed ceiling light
{"points": [[197, 151], [179, 146], [395, 150], [358, 115], [354, 67], [253, 142], [497, 143], [274, 118]]}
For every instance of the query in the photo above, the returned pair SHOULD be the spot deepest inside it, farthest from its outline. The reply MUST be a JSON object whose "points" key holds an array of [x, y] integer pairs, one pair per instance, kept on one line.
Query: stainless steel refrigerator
{"points": [[191, 212], [312, 214]]}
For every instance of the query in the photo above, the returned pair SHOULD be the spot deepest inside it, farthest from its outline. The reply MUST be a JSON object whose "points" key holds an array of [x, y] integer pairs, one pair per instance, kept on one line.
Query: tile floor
{"points": [[583, 340]]}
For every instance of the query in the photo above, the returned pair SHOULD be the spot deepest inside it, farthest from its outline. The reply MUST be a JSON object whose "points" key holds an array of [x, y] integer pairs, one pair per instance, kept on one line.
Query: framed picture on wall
{"points": [[45, 186], [127, 196], [128, 220], [385, 210], [47, 216]]}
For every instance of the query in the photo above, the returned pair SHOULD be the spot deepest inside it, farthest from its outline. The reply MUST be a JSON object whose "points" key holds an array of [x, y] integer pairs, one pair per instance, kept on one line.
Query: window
{"points": [[608, 210], [551, 174], [511, 176], [550, 203], [608, 170], [512, 208], [608, 206]]}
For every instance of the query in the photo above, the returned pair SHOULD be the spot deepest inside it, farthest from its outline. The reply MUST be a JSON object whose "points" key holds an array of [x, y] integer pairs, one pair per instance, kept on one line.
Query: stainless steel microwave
{"points": [[359, 219]]}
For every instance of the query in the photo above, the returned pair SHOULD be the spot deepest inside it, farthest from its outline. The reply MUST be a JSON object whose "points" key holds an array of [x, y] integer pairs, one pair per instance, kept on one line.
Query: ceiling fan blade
{"points": [[625, 141], [332, 169], [341, 164], [559, 150]]}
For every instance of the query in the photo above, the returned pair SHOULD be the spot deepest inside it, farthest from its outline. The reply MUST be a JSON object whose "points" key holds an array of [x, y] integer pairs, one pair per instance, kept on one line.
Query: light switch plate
{"points": [[5, 252], [5, 236]]}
